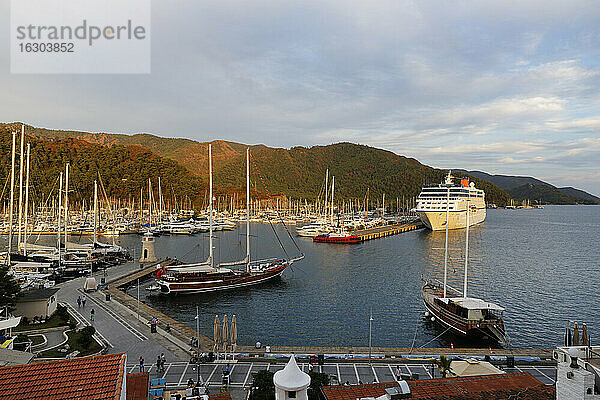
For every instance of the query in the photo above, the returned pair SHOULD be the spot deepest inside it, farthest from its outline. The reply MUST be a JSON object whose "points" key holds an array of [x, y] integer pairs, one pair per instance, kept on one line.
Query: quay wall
{"points": [[180, 333]]}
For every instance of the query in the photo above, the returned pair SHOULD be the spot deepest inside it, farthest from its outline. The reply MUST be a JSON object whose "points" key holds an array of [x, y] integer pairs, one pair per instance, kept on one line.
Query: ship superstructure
{"points": [[432, 201]]}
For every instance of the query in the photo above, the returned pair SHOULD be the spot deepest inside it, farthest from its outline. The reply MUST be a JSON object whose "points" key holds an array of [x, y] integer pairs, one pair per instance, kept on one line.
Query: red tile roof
{"points": [[474, 387], [97, 377], [137, 386], [220, 396]]}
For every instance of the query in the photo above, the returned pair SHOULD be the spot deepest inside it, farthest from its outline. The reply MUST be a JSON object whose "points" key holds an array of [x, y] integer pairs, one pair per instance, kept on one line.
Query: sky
{"points": [[505, 87]]}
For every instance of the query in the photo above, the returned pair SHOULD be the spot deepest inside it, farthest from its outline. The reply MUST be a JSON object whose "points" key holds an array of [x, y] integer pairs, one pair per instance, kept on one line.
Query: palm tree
{"points": [[444, 365]]}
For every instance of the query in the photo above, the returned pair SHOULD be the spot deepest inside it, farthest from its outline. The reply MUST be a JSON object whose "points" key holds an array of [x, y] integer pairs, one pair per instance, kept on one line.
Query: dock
{"points": [[368, 234]]}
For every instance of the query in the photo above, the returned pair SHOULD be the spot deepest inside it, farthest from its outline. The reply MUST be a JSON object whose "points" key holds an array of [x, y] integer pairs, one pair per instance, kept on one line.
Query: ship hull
{"points": [[242, 280], [436, 220], [480, 331]]}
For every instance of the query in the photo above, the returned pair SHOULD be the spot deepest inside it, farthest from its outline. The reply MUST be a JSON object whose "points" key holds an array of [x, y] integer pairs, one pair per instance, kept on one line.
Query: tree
{"points": [[62, 313], [9, 289], [85, 338], [444, 365], [262, 386], [317, 381]]}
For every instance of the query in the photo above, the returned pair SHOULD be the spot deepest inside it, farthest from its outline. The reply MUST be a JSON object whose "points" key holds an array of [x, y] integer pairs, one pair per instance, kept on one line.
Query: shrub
{"points": [[85, 336], [62, 313], [262, 386], [317, 380]]}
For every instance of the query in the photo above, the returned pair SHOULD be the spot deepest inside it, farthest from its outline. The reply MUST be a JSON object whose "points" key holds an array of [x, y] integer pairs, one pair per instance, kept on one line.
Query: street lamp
{"points": [[370, 333], [138, 300], [198, 344]]}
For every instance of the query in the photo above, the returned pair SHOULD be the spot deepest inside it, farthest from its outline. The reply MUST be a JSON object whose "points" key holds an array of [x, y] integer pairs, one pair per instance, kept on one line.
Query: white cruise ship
{"points": [[435, 200]]}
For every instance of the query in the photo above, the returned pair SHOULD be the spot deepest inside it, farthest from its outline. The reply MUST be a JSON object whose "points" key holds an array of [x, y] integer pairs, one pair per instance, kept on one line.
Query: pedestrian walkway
{"points": [[122, 333], [240, 376]]}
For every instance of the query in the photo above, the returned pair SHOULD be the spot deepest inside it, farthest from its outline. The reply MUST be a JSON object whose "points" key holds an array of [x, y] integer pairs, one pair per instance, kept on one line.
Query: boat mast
{"points": [[66, 203], [448, 182], [159, 202], [149, 205], [95, 212], [248, 210], [26, 203], [59, 210], [332, 189], [326, 190], [21, 186], [12, 196], [467, 246], [210, 206]]}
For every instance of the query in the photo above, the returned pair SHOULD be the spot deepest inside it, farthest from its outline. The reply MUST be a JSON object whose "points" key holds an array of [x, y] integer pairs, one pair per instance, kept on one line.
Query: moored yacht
{"points": [[205, 277], [466, 316]]}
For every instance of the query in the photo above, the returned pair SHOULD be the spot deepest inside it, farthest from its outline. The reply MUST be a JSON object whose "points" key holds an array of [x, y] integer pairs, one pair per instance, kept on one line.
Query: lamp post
{"points": [[197, 344], [370, 334], [138, 300]]}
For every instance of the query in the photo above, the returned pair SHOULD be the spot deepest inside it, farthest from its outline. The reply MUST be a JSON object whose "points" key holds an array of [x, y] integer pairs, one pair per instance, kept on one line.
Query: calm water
{"points": [[541, 265]]}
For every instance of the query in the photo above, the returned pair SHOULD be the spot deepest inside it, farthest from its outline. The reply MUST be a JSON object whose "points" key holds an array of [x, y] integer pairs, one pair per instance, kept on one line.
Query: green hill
{"points": [[298, 172], [124, 170]]}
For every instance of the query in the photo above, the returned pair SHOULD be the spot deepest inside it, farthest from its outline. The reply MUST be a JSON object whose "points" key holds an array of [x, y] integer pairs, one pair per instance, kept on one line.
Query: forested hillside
{"points": [[126, 162]]}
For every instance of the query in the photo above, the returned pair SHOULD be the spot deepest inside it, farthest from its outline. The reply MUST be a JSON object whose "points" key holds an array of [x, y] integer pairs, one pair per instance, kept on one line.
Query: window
{"points": [[292, 394]]}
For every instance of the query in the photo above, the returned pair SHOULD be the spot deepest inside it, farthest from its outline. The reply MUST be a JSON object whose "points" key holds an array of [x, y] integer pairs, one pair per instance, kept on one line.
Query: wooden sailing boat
{"points": [[205, 277], [466, 316]]}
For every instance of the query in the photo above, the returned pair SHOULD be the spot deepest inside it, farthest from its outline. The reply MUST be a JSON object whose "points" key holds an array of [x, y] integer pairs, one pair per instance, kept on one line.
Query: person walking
{"points": [[141, 364], [398, 373], [78, 301], [92, 315], [158, 365], [83, 302]]}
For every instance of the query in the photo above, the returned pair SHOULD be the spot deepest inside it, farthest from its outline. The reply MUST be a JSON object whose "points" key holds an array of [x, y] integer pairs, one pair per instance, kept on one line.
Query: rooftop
{"points": [[519, 385], [14, 357], [38, 294], [137, 386], [97, 377]]}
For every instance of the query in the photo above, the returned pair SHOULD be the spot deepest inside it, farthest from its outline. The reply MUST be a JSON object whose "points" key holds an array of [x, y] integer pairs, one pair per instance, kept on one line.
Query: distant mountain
{"points": [[580, 194], [505, 182], [532, 189], [298, 172]]}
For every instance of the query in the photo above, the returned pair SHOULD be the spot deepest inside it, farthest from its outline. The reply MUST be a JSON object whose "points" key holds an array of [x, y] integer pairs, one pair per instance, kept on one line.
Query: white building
{"points": [[578, 372], [291, 382]]}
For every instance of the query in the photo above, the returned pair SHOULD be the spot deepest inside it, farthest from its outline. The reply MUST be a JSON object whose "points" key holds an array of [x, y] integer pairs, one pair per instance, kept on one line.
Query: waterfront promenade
{"points": [[117, 321], [116, 324]]}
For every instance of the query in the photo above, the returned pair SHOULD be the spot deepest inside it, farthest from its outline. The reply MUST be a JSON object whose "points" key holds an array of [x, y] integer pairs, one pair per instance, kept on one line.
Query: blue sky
{"points": [[499, 86]]}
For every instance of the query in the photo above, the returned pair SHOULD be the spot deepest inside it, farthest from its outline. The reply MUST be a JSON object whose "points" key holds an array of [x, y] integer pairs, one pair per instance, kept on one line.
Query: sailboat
{"points": [[205, 277], [466, 316]]}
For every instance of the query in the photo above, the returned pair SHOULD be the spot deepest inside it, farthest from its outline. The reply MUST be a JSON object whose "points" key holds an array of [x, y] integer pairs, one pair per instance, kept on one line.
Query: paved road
{"points": [[177, 374], [122, 332], [53, 339]]}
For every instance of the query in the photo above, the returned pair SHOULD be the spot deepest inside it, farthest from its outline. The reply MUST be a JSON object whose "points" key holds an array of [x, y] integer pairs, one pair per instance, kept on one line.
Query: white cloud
{"points": [[446, 83]]}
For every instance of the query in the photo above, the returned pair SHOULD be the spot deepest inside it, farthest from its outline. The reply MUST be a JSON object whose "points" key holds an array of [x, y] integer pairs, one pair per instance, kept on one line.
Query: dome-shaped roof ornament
{"points": [[291, 382]]}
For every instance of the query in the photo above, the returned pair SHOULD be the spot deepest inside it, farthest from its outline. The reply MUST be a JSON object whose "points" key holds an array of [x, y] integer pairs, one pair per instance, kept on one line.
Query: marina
{"points": [[333, 286], [300, 201]]}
